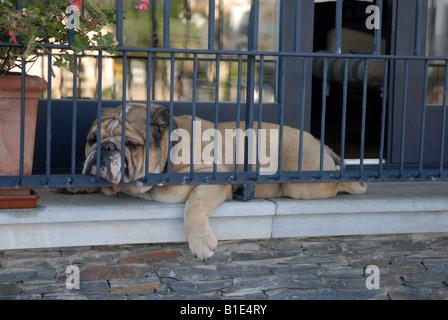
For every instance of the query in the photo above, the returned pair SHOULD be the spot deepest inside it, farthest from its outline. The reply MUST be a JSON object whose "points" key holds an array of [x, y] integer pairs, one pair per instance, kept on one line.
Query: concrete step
{"points": [[62, 220]]}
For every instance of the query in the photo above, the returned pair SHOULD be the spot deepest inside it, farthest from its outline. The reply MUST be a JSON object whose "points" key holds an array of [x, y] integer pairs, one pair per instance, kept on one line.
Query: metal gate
{"points": [[402, 75]]}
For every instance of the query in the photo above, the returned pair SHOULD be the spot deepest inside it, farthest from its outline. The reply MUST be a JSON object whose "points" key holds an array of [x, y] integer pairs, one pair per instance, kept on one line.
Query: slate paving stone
{"points": [[190, 288], [9, 288], [408, 293], [325, 268], [324, 247], [327, 294], [306, 270], [188, 274], [143, 286], [7, 275], [437, 265]]}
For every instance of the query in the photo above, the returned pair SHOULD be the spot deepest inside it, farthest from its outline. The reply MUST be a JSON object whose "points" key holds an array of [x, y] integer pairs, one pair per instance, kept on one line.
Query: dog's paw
{"points": [[73, 190], [203, 247], [79, 190], [361, 188]]}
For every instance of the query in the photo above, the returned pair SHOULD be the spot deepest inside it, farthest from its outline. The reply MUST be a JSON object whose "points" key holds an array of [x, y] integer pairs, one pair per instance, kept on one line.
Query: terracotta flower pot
{"points": [[10, 115]]}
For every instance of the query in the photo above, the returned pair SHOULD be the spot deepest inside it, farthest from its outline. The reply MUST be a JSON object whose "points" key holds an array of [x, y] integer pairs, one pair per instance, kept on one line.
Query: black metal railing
{"points": [[248, 110]]}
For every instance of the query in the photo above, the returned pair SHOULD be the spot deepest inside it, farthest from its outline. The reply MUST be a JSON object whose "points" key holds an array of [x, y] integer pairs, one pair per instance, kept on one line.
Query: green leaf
{"points": [[80, 44], [58, 62], [109, 38], [34, 15], [99, 40]]}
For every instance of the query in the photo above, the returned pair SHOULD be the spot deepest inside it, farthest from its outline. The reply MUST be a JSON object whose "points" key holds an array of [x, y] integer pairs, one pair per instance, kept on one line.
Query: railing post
{"points": [[120, 22], [247, 192]]}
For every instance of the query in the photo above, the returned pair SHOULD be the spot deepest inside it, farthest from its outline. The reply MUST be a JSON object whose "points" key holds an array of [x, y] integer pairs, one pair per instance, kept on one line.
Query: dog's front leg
{"points": [[202, 201]]}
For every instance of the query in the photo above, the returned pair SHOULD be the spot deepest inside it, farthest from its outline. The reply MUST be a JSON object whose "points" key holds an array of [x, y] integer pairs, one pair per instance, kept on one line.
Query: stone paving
{"points": [[408, 267]]}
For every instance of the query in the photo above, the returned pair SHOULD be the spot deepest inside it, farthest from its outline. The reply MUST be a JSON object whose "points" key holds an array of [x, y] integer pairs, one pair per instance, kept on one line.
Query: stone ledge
{"points": [[79, 220]]}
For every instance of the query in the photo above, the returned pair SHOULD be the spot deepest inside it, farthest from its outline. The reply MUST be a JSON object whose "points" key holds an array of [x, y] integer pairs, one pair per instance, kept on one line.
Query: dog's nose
{"points": [[108, 146]]}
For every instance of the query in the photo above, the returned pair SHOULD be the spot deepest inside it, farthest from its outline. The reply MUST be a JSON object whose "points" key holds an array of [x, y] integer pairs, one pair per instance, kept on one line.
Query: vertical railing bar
{"points": [[154, 31], [338, 40], [166, 23], [322, 123], [418, 27], [393, 64], [216, 135], [155, 41], [148, 114], [344, 116], [281, 116], [253, 26], [211, 24], [252, 46], [403, 117], [71, 31], [377, 49], [383, 117], [193, 115], [123, 113], [171, 110], [249, 111], [260, 116], [363, 119], [302, 116], [238, 117], [120, 22], [74, 122], [297, 26], [423, 120], [48, 129], [83, 10], [22, 118], [443, 126], [99, 106]]}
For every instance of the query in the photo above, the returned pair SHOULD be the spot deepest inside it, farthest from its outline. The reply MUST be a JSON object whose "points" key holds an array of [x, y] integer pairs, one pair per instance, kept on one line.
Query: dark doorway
{"points": [[355, 38]]}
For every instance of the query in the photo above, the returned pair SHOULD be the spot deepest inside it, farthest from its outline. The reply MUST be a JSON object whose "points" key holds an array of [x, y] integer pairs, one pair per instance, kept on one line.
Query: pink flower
{"points": [[143, 5], [77, 3], [11, 34]]}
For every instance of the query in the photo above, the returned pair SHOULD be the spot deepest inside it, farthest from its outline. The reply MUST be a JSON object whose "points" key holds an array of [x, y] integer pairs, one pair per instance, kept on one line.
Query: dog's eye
{"points": [[92, 141], [132, 146]]}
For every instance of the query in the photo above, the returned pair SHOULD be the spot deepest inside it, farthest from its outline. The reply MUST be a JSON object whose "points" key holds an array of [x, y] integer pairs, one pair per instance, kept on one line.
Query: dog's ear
{"points": [[160, 117]]}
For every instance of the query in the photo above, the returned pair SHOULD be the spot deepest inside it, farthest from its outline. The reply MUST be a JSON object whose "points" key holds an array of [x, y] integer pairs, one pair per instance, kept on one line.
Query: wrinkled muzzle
{"points": [[110, 163]]}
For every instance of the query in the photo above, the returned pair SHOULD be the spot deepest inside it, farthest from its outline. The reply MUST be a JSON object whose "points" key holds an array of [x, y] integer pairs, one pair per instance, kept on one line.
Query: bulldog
{"points": [[200, 200]]}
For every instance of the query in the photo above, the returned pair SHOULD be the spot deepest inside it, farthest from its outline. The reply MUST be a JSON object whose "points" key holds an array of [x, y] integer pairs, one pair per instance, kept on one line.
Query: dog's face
{"points": [[135, 143]]}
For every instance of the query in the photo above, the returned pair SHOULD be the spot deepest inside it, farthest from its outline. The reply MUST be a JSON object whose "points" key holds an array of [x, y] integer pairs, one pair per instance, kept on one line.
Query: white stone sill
{"points": [[62, 220]]}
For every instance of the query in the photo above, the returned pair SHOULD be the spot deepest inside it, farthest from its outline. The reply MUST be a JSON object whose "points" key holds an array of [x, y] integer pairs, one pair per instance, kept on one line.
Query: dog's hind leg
{"points": [[309, 191], [322, 190], [353, 187], [202, 201]]}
